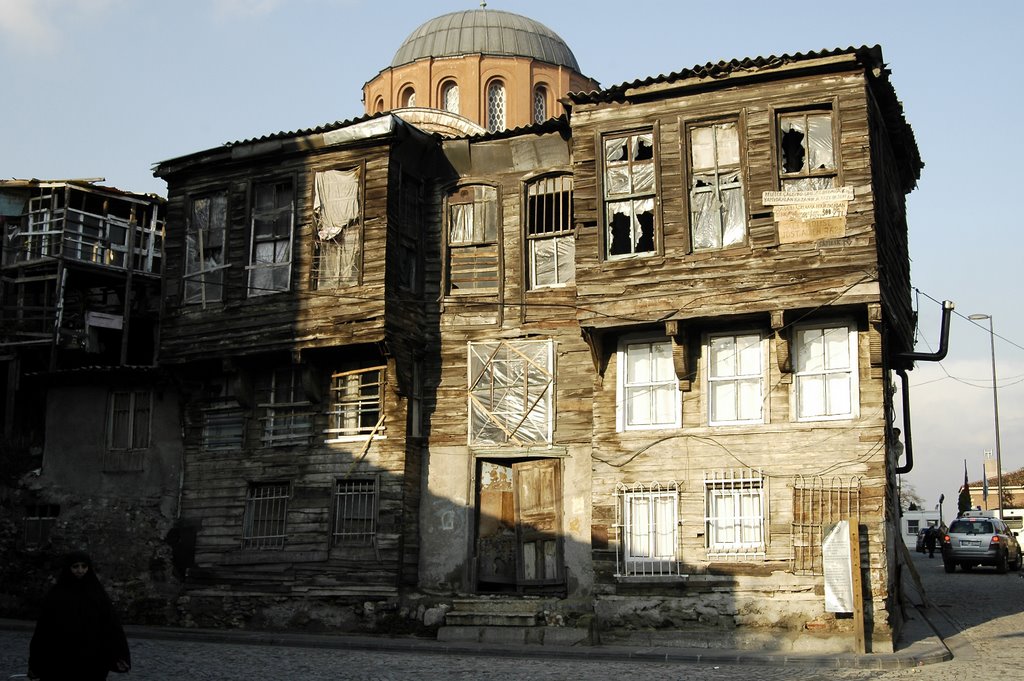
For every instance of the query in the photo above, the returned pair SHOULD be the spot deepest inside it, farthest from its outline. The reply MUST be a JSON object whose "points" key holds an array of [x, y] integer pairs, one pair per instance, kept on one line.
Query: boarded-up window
{"points": [[825, 372], [273, 219], [552, 245], [127, 429], [337, 222], [473, 240], [629, 192], [807, 158], [355, 512], [39, 521], [204, 249], [717, 207], [511, 390], [817, 504], [356, 403], [736, 379], [266, 513]]}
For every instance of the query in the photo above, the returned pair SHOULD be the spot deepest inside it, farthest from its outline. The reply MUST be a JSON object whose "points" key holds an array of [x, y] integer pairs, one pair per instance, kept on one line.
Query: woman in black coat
{"points": [[78, 636]]}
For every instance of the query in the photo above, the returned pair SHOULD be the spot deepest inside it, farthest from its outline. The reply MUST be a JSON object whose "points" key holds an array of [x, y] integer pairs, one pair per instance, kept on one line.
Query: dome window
{"points": [[450, 97], [540, 104], [495, 106]]}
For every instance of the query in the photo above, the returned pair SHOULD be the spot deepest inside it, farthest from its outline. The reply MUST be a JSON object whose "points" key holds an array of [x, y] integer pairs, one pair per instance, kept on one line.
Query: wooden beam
{"points": [[781, 341]]}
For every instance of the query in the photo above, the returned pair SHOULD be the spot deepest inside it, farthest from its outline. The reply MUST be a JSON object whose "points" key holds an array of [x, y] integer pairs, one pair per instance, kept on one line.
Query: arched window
{"points": [[408, 97], [540, 104], [495, 106], [450, 97], [378, 106]]}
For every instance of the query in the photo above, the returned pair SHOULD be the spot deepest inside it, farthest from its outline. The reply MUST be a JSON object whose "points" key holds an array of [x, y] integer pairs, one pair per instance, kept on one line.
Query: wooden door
{"points": [[537, 489]]}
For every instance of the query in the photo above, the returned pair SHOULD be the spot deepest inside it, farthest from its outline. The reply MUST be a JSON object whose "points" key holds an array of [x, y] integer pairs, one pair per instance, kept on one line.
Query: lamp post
{"points": [[995, 406]]}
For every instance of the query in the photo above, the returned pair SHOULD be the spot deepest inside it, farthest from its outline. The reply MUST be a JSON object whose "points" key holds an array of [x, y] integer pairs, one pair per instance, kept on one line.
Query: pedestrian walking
{"points": [[78, 636], [930, 539]]}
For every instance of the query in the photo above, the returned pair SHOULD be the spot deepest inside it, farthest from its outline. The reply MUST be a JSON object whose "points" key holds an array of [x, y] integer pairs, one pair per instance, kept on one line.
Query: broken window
{"points": [[717, 207], [337, 222], [450, 97], [540, 104], [648, 526], [629, 191], [736, 379], [473, 240], [511, 392], [273, 219], [355, 512], [223, 418], [128, 429], [551, 243], [648, 389], [806, 151], [357, 401], [825, 371], [266, 513], [495, 106], [204, 249], [735, 513], [285, 410]]}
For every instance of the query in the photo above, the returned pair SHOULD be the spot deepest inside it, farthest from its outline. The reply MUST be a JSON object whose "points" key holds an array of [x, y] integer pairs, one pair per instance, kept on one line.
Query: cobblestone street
{"points": [[977, 613]]}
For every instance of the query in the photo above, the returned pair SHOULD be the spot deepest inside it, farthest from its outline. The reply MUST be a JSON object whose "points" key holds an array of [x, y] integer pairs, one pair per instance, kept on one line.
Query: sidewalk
{"points": [[919, 645]]}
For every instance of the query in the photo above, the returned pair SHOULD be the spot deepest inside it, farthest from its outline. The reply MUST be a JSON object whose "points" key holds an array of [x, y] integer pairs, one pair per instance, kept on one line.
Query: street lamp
{"points": [[995, 406]]}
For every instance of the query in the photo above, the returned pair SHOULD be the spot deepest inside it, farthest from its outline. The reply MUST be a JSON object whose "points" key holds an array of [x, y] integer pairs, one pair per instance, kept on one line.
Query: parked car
{"points": [[980, 540]]}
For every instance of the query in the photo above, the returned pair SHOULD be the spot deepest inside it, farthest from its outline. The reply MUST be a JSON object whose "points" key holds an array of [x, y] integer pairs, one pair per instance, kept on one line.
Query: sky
{"points": [[108, 88]]}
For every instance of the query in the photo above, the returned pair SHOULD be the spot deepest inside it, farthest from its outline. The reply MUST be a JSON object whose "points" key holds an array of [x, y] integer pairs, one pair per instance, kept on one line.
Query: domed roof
{"points": [[485, 31]]}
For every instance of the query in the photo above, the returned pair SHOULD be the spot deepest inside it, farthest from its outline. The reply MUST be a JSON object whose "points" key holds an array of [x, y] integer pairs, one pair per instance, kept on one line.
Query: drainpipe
{"points": [[937, 356]]}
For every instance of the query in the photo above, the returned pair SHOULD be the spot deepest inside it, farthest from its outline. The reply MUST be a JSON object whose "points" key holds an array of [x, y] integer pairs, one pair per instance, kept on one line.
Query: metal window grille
{"points": [[540, 104], [39, 521], [495, 106], [735, 513], [223, 425], [355, 512], [266, 512], [647, 524], [356, 402], [818, 503]]}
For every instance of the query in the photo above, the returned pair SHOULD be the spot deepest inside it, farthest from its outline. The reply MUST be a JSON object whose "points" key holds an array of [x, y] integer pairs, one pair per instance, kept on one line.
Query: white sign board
{"points": [[835, 555]]}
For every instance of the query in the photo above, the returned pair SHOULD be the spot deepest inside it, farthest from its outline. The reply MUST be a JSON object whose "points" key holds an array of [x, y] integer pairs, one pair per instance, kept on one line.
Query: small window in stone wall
{"points": [[39, 521]]}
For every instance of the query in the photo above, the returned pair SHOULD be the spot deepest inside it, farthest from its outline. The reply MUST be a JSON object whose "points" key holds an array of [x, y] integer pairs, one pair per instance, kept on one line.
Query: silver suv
{"points": [[980, 540]]}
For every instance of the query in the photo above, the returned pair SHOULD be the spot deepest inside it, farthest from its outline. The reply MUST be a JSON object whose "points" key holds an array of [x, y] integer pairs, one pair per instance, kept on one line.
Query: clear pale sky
{"points": [[107, 88]]}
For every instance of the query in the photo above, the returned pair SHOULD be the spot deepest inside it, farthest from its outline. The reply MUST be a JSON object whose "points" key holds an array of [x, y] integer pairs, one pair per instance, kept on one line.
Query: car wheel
{"points": [[1001, 563], [1015, 565], [949, 565]]}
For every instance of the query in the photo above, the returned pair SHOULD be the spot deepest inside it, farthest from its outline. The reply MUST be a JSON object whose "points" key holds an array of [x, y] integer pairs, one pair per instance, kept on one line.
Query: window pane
{"points": [[839, 394], [811, 395], [820, 142], [837, 348], [728, 144], [723, 401]]}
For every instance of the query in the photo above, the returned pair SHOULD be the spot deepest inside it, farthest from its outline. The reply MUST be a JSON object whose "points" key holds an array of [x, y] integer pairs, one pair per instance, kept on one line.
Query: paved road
{"points": [[980, 615]]}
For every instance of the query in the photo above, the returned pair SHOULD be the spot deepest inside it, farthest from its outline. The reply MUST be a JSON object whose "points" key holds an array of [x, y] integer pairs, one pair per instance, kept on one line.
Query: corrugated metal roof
{"points": [[485, 31]]}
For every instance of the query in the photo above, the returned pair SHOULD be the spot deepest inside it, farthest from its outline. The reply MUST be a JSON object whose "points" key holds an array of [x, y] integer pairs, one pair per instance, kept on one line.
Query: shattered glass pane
{"points": [[820, 142], [643, 177]]}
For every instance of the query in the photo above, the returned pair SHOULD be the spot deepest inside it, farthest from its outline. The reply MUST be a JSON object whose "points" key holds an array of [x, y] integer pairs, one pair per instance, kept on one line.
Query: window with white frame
{"points": [[629, 194], [273, 221], [807, 158], [356, 403], [473, 240], [648, 388], [354, 520], [736, 379], [913, 526], [337, 221], [285, 411], [204, 249], [648, 527], [551, 242], [264, 525], [825, 371], [495, 106], [717, 207], [735, 513], [511, 392]]}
